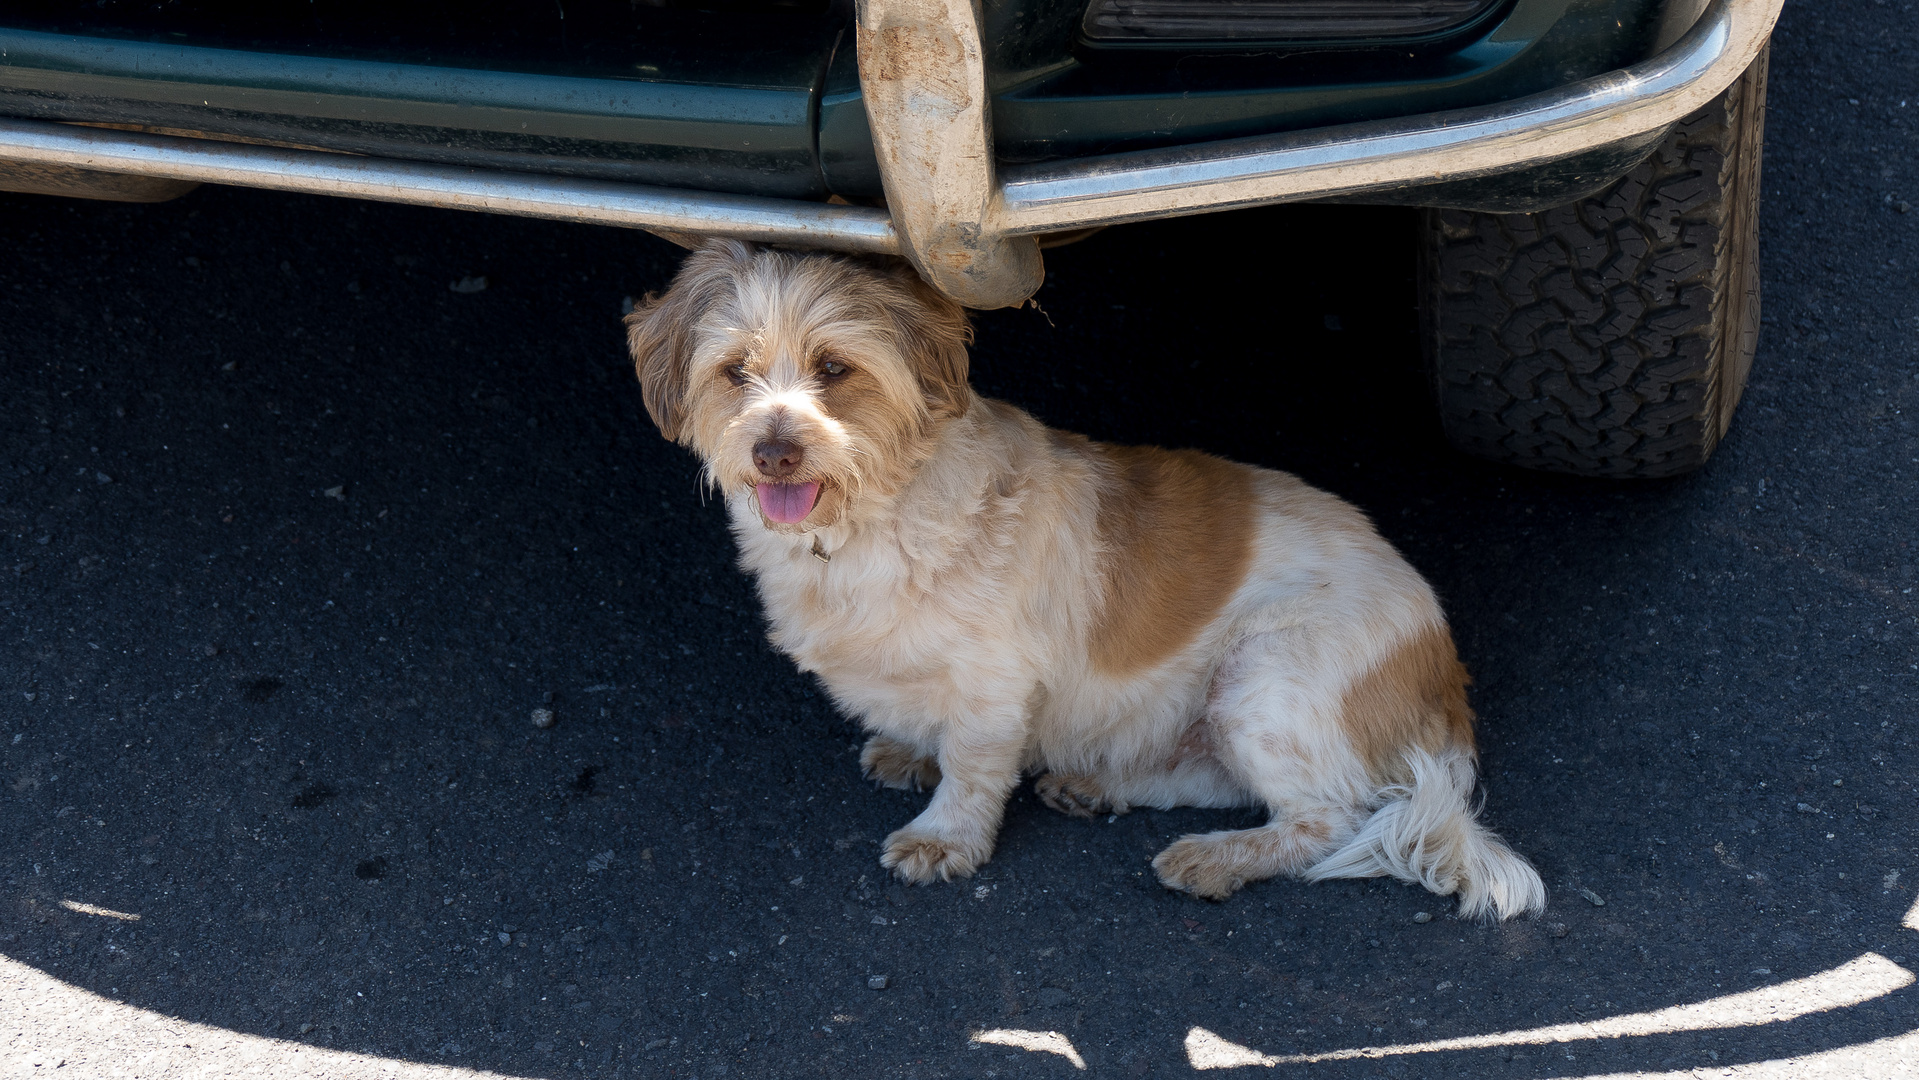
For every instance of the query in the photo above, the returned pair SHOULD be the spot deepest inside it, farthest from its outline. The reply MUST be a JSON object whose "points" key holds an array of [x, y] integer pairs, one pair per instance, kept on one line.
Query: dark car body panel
{"points": [[752, 136], [766, 103]]}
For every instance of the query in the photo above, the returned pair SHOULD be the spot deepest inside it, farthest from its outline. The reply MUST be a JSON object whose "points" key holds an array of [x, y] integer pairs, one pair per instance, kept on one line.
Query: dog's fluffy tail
{"points": [[1427, 834]]}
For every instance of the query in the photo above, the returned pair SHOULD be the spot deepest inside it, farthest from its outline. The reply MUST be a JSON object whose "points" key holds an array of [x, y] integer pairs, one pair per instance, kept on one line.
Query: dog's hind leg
{"points": [[1308, 821], [891, 763], [1216, 865], [1078, 796], [1268, 732]]}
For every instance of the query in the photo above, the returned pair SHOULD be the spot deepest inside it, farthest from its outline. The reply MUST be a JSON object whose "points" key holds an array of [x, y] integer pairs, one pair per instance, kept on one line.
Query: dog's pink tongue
{"points": [[787, 503]]}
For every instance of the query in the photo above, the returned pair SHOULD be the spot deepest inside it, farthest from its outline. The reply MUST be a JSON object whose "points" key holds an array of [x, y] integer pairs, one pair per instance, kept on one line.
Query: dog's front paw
{"points": [[1200, 865], [1077, 796], [921, 857], [892, 763]]}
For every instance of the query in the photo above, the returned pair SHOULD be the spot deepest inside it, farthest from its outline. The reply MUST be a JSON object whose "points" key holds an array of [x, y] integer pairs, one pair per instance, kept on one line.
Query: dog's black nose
{"points": [[776, 459]]}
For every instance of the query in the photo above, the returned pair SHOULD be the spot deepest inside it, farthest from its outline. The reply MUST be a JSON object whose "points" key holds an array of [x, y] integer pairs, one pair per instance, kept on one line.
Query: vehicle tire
{"points": [[1610, 337]]}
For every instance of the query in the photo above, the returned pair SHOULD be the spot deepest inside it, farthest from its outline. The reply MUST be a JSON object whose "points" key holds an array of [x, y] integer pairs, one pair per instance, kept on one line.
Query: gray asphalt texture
{"points": [[296, 538]]}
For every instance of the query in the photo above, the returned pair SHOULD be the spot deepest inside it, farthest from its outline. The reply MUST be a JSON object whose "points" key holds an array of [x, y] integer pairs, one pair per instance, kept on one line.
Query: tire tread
{"points": [[1609, 337]]}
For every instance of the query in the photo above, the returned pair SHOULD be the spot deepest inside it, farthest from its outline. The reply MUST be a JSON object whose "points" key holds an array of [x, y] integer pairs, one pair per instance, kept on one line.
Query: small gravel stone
{"points": [[1557, 929], [542, 718], [1422, 916], [468, 285], [1593, 898], [876, 982]]}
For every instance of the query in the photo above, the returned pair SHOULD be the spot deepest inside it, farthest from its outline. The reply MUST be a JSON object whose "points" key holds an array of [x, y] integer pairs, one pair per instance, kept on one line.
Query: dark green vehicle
{"points": [[1589, 168]]}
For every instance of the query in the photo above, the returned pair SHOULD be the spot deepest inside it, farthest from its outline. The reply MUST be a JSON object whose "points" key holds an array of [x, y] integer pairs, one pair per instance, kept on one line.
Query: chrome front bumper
{"points": [[968, 226]]}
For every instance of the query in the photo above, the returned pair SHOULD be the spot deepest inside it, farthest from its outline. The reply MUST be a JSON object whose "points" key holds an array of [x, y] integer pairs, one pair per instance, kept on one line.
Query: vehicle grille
{"points": [[1139, 22]]}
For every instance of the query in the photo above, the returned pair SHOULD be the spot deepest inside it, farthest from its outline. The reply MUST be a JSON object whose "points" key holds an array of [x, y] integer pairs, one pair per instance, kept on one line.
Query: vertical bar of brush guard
{"points": [[923, 75]]}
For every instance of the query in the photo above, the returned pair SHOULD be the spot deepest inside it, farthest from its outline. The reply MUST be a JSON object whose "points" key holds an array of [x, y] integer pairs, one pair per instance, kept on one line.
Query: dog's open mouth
{"points": [[787, 504]]}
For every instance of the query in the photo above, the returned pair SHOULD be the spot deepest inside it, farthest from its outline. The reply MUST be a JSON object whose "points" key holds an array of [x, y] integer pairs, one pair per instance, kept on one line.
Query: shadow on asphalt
{"points": [[297, 537]]}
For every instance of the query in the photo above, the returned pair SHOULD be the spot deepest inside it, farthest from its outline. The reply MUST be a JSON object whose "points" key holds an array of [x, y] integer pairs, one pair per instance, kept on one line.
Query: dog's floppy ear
{"points": [[933, 332], [659, 332]]}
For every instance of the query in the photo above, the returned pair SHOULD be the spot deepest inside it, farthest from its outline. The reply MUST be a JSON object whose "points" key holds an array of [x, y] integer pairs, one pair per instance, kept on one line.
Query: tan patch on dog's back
{"points": [[1415, 696], [1176, 535]]}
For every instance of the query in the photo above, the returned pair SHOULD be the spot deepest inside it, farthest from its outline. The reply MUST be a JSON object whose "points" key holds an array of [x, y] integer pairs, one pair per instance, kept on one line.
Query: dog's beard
{"points": [[870, 448], [787, 504]]}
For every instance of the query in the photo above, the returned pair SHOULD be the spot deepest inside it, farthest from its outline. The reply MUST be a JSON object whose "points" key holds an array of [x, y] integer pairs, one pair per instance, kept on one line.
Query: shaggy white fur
{"points": [[993, 598], [1426, 832]]}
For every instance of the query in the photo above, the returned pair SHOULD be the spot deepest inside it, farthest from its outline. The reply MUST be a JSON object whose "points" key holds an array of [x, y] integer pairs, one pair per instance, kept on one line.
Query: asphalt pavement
{"points": [[307, 505]]}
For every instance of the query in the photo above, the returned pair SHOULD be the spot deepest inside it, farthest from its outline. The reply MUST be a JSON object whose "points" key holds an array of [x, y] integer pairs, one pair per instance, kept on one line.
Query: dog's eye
{"points": [[833, 369], [737, 373]]}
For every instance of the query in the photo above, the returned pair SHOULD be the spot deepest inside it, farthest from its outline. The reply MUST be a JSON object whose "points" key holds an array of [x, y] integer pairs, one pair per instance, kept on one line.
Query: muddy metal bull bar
{"points": [[969, 227]]}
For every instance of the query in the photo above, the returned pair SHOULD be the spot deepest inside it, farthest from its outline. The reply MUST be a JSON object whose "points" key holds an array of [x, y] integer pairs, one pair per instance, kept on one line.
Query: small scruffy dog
{"points": [[1136, 626]]}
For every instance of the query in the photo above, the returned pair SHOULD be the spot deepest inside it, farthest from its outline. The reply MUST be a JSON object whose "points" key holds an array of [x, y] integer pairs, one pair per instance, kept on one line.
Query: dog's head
{"points": [[808, 379]]}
